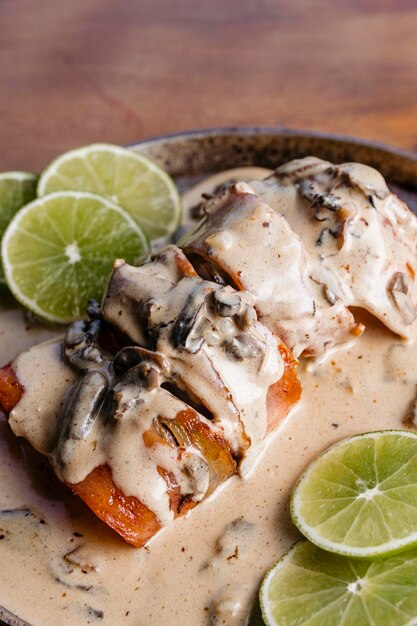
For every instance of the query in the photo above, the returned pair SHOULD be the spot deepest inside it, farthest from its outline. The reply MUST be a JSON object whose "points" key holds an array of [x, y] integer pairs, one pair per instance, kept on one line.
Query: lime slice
{"points": [[124, 177], [360, 497], [58, 252], [16, 190], [310, 587]]}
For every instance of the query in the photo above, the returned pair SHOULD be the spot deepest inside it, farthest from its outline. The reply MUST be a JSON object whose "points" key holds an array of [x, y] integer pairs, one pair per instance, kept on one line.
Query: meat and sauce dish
{"points": [[198, 389]]}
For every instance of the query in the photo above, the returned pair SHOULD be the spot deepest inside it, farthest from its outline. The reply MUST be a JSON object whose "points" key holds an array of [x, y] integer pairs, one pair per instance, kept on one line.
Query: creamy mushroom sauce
{"points": [[203, 339], [245, 238], [214, 347], [363, 236], [61, 564], [324, 237]]}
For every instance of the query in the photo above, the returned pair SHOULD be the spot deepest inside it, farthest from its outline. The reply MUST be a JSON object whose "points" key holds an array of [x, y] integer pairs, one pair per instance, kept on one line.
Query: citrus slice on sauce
{"points": [[360, 497], [311, 587], [16, 190], [58, 252], [123, 176]]}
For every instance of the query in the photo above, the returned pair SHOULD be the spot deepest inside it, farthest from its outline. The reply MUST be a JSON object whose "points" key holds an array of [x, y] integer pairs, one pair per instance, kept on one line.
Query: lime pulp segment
{"points": [[16, 190], [123, 176], [311, 587], [58, 252], [360, 497]]}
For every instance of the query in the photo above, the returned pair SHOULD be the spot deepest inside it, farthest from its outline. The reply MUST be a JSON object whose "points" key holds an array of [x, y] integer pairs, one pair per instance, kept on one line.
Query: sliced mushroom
{"points": [[318, 200], [329, 295], [245, 346], [227, 302], [196, 468], [143, 375], [136, 370], [399, 291], [80, 347], [187, 331], [246, 317], [132, 356], [83, 407]]}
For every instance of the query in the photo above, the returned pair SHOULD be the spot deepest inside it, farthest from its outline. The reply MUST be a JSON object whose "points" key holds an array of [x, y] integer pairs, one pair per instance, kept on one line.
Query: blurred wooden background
{"points": [[121, 70]]}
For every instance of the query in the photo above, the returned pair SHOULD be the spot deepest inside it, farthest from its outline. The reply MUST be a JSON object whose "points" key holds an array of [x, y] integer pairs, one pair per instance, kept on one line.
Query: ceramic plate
{"points": [[192, 156]]}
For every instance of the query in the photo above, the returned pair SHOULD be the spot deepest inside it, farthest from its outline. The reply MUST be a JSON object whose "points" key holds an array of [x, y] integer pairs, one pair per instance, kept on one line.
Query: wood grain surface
{"points": [[77, 71]]}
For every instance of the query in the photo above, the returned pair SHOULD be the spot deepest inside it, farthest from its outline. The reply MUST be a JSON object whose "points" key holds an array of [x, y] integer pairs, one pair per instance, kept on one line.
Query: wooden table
{"points": [[121, 70]]}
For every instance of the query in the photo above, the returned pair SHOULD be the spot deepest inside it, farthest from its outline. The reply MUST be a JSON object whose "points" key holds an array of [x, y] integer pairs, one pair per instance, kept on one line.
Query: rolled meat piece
{"points": [[143, 433], [308, 242], [106, 432], [209, 332], [354, 228], [242, 241]]}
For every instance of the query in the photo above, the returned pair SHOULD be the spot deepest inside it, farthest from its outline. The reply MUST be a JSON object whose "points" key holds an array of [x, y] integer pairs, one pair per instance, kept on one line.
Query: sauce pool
{"points": [[206, 568], [60, 564]]}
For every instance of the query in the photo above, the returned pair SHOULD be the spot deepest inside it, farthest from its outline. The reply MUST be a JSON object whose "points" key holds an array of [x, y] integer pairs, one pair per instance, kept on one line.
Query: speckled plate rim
{"points": [[274, 131], [193, 154], [189, 153]]}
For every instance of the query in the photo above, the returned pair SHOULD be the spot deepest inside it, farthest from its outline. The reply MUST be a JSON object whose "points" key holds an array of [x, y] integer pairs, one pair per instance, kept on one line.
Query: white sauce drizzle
{"points": [[233, 388]]}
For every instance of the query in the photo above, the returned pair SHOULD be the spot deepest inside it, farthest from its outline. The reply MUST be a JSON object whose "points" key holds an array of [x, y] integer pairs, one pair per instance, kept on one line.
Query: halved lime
{"points": [[58, 252], [16, 190], [125, 177], [311, 587], [360, 497]]}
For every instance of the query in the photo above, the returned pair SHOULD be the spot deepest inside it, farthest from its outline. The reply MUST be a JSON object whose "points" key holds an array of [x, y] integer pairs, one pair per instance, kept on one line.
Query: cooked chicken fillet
{"points": [[188, 385], [308, 242], [356, 230], [243, 241]]}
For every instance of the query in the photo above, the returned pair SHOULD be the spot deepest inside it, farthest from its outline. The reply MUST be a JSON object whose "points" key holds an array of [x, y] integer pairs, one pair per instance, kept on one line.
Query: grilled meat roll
{"points": [[161, 396], [309, 242]]}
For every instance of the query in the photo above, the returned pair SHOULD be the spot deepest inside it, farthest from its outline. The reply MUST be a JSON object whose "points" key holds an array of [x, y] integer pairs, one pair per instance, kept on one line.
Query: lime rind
{"points": [[17, 175], [311, 587], [26, 192], [43, 259], [264, 602], [155, 204], [370, 517]]}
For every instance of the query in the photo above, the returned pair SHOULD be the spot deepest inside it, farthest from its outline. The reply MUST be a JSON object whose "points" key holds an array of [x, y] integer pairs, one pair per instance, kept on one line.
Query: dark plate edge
{"points": [[214, 131]]}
